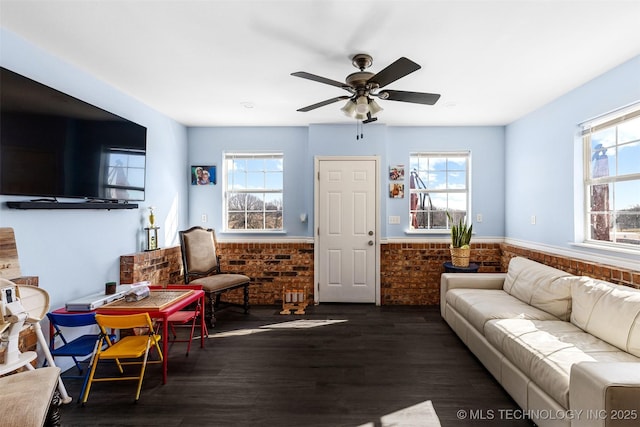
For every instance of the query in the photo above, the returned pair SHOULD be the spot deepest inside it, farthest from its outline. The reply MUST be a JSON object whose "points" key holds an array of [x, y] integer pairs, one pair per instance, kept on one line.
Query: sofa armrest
{"points": [[605, 394], [468, 280]]}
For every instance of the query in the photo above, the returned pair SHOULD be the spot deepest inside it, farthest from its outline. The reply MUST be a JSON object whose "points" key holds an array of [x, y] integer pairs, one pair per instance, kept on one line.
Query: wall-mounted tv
{"points": [[54, 145]]}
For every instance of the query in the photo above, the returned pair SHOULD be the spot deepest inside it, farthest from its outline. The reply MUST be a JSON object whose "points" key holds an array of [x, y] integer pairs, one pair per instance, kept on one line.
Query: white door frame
{"points": [[316, 212]]}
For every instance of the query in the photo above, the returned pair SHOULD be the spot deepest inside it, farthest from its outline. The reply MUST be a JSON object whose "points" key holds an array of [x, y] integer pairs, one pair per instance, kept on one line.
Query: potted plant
{"points": [[460, 239]]}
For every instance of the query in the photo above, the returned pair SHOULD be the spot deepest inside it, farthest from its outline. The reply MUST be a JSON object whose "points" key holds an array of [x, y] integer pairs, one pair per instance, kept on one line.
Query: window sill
{"points": [[269, 232], [607, 248], [434, 232]]}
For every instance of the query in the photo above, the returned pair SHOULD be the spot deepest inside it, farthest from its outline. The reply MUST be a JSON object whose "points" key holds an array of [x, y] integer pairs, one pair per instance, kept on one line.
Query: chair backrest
{"points": [[199, 256], [35, 302], [72, 320], [123, 321]]}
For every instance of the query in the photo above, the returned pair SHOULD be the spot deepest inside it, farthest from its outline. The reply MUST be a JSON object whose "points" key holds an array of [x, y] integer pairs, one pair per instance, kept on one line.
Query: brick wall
{"points": [[574, 266], [409, 272], [161, 267], [270, 267]]}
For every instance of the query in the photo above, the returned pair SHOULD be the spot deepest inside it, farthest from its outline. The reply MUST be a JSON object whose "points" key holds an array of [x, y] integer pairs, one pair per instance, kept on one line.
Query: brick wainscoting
{"points": [[409, 272], [270, 267], [160, 267], [574, 266]]}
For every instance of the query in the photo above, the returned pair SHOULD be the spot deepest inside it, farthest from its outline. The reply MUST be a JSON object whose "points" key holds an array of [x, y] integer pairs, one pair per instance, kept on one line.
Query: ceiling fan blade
{"points": [[415, 97], [324, 80], [322, 104], [395, 71]]}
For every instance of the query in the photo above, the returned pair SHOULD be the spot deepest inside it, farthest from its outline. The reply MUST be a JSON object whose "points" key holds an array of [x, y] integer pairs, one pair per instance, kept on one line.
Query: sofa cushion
{"points": [[541, 286], [479, 306], [546, 350], [610, 312]]}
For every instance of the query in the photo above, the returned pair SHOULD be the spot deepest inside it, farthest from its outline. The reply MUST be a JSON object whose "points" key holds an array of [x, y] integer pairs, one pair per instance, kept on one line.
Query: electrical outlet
{"points": [[478, 217], [533, 220], [203, 218], [394, 219]]}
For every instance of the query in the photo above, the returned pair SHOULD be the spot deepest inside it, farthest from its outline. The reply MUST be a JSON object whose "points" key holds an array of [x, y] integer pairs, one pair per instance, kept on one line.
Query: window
{"points": [[254, 189], [611, 147], [438, 183]]}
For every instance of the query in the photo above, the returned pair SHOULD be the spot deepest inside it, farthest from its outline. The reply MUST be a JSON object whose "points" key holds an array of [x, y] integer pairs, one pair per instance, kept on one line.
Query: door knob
{"points": [[370, 242], [370, 233]]}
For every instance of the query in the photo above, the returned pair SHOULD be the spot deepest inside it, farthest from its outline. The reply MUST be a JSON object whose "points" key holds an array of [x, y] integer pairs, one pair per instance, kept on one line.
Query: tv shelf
{"points": [[71, 205]]}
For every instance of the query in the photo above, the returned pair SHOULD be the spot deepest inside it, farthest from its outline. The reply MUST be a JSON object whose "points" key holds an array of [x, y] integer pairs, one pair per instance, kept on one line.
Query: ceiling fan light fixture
{"points": [[362, 105], [359, 116], [349, 108], [374, 107]]}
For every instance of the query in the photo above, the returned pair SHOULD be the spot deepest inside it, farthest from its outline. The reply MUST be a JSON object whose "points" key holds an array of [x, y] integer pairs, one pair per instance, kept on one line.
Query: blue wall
{"points": [[393, 146], [523, 169], [206, 147], [74, 252], [543, 161]]}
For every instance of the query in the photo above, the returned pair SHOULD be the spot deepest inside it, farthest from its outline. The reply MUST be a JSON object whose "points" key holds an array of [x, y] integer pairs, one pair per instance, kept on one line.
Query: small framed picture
{"points": [[203, 175], [396, 191], [396, 173]]}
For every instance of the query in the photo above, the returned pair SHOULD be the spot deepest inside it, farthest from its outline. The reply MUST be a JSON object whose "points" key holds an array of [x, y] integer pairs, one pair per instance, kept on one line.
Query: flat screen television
{"points": [[54, 145]]}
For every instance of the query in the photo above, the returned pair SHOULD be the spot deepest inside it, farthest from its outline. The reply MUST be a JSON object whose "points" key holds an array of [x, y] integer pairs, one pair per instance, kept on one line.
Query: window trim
{"points": [[225, 189], [586, 130], [466, 154]]}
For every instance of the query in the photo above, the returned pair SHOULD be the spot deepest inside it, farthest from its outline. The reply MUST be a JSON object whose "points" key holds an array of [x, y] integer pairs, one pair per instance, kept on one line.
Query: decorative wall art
{"points": [[396, 191], [396, 173], [203, 175]]}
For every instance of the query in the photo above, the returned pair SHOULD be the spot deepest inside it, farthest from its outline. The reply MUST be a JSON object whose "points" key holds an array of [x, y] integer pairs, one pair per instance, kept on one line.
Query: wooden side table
{"points": [[450, 268]]}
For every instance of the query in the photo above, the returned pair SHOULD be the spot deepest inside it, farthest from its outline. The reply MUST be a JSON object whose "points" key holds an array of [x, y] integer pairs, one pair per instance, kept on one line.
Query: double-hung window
{"points": [[438, 183], [611, 147], [253, 191]]}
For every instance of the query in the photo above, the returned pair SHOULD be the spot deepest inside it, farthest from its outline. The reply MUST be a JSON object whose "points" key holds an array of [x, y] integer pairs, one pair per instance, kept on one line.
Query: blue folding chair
{"points": [[77, 348]]}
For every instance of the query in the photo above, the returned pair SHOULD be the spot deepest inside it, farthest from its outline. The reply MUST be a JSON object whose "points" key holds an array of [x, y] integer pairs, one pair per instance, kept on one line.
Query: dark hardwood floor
{"points": [[376, 361]]}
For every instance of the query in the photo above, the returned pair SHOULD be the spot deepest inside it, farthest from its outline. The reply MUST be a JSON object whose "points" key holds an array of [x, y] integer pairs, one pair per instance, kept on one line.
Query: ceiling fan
{"points": [[363, 86]]}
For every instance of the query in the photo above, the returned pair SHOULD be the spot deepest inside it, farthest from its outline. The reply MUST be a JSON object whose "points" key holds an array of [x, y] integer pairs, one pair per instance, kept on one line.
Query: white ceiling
{"points": [[201, 61]]}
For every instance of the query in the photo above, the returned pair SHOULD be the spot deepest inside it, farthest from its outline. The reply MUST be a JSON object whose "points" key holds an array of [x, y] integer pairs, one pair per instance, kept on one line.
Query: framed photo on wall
{"points": [[396, 173], [203, 175], [396, 191]]}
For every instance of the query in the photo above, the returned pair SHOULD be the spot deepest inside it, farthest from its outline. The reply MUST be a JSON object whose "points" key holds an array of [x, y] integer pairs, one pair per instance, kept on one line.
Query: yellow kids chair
{"points": [[128, 348]]}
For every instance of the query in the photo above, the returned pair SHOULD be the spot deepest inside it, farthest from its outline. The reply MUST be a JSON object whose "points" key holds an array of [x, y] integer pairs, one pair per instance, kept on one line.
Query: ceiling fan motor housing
{"points": [[359, 80]]}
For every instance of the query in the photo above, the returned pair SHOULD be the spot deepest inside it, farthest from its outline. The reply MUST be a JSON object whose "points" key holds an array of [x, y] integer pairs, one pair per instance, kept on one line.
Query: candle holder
{"points": [[294, 299]]}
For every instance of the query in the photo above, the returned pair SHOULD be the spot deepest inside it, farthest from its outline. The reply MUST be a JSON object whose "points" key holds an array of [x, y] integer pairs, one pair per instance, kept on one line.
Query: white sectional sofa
{"points": [[566, 348]]}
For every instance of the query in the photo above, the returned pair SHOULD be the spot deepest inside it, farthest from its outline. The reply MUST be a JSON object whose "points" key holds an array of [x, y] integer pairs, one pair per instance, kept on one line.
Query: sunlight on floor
{"points": [[293, 324], [302, 324], [420, 415]]}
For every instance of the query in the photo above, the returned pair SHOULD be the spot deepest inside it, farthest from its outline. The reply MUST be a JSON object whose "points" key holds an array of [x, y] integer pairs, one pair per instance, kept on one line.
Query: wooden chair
{"points": [[128, 348], [202, 267]]}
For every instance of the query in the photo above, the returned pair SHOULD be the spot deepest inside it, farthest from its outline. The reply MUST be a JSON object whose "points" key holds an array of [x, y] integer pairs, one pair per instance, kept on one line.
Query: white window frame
{"points": [[231, 188], [427, 191], [590, 183]]}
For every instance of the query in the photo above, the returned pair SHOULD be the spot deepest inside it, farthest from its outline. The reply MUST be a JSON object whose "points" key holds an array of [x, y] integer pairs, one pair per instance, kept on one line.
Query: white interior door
{"points": [[346, 230]]}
